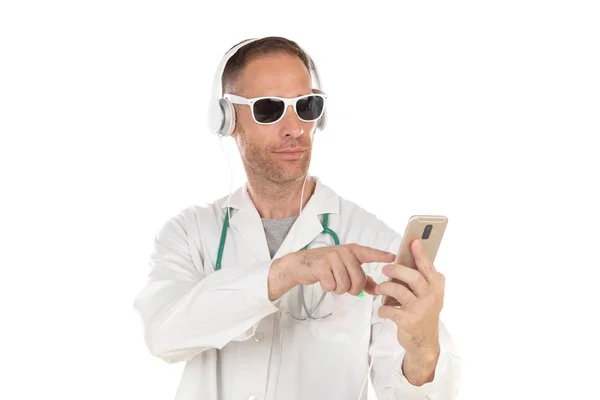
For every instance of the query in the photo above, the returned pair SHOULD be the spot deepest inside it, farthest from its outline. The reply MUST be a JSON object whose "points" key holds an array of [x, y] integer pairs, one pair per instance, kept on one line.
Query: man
{"points": [[232, 284]]}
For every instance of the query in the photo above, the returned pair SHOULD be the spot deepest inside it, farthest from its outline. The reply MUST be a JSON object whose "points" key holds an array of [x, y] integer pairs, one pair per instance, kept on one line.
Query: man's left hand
{"points": [[418, 316]]}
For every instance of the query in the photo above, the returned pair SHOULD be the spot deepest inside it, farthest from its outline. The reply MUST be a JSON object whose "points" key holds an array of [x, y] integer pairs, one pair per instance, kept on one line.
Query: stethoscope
{"points": [[326, 230]]}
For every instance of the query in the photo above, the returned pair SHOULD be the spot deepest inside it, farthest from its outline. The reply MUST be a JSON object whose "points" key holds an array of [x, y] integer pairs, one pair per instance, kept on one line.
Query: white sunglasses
{"points": [[269, 110]]}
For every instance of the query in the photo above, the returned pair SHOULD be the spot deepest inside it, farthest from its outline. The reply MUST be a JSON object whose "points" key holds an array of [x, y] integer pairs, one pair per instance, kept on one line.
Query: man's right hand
{"points": [[337, 268]]}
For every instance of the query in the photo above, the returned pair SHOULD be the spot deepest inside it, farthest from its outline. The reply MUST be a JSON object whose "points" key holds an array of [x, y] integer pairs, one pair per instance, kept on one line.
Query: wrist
{"points": [[281, 278], [424, 355], [419, 366], [428, 349]]}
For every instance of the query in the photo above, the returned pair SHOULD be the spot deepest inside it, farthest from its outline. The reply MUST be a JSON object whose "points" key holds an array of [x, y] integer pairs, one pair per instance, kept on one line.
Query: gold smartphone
{"points": [[430, 230]]}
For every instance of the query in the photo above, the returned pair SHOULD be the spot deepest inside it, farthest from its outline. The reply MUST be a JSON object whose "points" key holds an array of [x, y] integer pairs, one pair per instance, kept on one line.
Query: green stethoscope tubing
{"points": [[325, 230]]}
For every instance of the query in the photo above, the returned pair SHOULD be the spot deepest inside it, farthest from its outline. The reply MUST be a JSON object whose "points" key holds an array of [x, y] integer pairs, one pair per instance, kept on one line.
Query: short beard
{"points": [[261, 166], [266, 169]]}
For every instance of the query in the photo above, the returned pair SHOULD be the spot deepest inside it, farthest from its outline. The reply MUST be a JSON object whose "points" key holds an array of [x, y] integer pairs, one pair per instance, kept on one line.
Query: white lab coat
{"points": [[238, 345]]}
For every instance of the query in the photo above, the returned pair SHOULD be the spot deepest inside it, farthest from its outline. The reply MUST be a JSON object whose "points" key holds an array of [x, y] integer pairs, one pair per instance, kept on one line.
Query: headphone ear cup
{"points": [[228, 117]]}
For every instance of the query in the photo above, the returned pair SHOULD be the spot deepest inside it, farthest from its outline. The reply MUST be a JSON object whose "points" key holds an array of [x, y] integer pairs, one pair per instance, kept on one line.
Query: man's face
{"points": [[262, 146]]}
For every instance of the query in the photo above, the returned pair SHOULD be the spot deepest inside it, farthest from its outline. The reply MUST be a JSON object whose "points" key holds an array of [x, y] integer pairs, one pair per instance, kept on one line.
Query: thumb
{"points": [[370, 286]]}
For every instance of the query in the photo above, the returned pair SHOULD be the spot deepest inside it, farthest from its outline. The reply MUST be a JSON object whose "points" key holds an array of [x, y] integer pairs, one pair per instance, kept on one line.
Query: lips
{"points": [[292, 150], [291, 154]]}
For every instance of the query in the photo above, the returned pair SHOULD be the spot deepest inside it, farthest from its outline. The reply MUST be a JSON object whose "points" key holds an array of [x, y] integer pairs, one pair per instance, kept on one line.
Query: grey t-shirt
{"points": [[276, 230]]}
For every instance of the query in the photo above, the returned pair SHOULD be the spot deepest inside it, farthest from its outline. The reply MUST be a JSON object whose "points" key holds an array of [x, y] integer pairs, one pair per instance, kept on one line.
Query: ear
{"points": [[234, 120], [236, 128]]}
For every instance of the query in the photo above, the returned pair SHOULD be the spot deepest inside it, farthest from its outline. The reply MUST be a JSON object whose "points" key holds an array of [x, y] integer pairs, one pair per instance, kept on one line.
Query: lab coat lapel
{"points": [[308, 225], [246, 220]]}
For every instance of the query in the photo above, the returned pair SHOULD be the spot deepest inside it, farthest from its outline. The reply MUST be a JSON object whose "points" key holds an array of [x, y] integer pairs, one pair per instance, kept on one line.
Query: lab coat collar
{"points": [[324, 200], [246, 219]]}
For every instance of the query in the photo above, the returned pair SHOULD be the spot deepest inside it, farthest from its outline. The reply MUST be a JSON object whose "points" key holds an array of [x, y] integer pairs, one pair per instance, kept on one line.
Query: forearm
{"points": [[398, 374], [420, 368]]}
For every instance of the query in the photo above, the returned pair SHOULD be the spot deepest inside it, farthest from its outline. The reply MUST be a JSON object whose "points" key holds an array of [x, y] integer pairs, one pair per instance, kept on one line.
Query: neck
{"points": [[277, 200]]}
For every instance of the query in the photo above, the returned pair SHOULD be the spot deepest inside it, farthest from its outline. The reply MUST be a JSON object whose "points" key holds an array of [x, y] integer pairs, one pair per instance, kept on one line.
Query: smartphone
{"points": [[430, 230]]}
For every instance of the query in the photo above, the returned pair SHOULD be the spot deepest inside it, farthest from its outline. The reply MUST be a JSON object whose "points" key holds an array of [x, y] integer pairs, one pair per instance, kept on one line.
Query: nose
{"points": [[291, 124]]}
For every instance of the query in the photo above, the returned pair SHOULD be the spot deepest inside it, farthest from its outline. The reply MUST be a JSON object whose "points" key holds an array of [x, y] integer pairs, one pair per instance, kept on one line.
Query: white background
{"points": [[487, 112]]}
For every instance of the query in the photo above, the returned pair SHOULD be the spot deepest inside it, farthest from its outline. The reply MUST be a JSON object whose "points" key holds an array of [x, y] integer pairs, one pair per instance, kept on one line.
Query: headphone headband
{"points": [[221, 113]]}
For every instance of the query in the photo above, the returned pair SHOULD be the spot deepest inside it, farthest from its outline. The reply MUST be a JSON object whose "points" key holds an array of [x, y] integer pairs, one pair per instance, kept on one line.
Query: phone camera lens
{"points": [[427, 232]]}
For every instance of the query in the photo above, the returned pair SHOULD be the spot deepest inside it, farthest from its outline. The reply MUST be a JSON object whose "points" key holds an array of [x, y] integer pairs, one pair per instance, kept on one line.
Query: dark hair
{"points": [[260, 47]]}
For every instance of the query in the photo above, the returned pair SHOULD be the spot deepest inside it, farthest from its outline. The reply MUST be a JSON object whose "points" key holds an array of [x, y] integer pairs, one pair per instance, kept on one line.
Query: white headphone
{"points": [[221, 113]]}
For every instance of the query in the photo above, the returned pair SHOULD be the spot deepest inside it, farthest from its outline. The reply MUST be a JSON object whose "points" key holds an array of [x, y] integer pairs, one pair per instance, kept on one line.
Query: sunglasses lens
{"points": [[268, 110], [310, 107]]}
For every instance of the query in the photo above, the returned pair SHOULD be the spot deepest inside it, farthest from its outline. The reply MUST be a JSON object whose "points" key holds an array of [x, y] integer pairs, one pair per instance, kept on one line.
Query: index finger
{"points": [[366, 254]]}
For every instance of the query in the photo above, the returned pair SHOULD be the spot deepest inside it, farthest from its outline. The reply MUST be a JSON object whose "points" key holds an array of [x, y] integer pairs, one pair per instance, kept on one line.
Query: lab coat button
{"points": [[257, 338]]}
